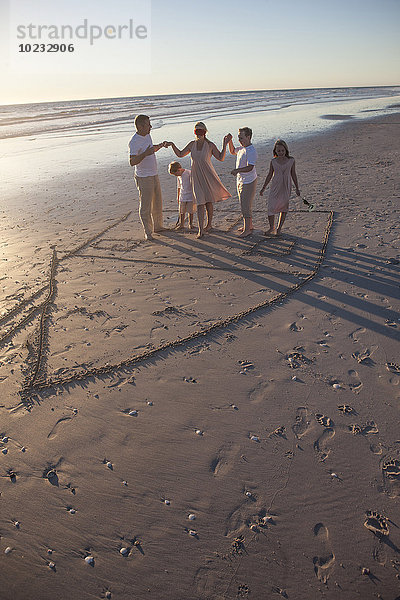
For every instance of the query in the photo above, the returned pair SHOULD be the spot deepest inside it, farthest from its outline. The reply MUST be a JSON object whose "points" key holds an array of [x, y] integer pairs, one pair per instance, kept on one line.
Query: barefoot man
{"points": [[142, 157], [246, 157]]}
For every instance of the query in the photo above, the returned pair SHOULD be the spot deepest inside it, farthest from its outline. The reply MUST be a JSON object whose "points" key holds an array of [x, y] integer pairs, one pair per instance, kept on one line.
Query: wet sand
{"points": [[212, 419]]}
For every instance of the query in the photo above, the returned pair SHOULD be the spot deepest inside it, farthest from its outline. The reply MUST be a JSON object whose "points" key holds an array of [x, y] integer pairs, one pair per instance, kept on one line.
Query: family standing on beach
{"points": [[201, 187]]}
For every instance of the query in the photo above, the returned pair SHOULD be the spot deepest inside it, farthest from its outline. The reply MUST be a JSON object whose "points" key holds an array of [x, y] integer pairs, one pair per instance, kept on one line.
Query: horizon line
{"points": [[289, 89]]}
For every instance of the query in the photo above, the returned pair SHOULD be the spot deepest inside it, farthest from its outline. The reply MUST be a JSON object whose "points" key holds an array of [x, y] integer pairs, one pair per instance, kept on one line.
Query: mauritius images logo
{"points": [[48, 37]]}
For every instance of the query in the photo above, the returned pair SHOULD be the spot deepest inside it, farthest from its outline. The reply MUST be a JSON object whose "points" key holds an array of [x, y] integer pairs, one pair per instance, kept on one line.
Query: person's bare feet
{"points": [[148, 237], [179, 228], [242, 229], [161, 229], [271, 231], [191, 227], [208, 228], [200, 235], [245, 233]]}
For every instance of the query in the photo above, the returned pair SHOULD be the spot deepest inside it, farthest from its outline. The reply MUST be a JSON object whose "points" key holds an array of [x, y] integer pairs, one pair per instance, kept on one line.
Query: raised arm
{"points": [[232, 147], [294, 177], [268, 179], [214, 150], [180, 153]]}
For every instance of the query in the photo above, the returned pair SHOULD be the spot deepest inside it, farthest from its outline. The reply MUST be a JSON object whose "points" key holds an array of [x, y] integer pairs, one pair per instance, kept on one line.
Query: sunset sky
{"points": [[224, 45]]}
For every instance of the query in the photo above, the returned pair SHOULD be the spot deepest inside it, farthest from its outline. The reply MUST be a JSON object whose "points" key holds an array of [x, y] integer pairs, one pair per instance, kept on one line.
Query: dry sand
{"points": [[252, 384]]}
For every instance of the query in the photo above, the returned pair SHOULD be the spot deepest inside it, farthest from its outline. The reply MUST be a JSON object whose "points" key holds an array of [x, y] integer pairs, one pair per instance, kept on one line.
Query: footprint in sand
{"points": [[295, 327], [259, 393], [223, 462], [369, 427], [376, 523], [355, 384], [262, 520], [57, 426], [391, 476], [376, 448], [321, 444], [364, 357], [243, 591], [242, 517], [302, 422], [393, 368], [354, 335], [346, 409], [323, 420], [236, 521], [324, 561]]}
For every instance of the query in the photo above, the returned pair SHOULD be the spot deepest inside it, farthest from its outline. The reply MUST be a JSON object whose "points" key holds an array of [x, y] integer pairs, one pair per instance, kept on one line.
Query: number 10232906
{"points": [[46, 48]]}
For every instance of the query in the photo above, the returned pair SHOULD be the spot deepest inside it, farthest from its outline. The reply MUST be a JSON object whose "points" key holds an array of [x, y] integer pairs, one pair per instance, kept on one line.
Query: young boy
{"points": [[246, 175], [184, 194]]}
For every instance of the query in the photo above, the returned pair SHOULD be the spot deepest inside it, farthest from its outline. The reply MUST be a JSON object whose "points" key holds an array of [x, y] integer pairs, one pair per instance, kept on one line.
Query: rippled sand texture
{"points": [[209, 419]]}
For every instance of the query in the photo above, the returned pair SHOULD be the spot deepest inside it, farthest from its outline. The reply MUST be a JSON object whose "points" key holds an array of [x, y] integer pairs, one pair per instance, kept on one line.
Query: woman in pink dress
{"points": [[282, 171], [207, 187]]}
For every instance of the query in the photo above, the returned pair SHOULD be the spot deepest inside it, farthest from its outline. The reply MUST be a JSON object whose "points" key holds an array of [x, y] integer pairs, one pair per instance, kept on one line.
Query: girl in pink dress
{"points": [[281, 171], [207, 187]]}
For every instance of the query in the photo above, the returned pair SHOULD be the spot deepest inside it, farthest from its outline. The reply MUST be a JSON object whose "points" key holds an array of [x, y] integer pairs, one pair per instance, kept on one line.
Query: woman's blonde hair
{"points": [[200, 125]]}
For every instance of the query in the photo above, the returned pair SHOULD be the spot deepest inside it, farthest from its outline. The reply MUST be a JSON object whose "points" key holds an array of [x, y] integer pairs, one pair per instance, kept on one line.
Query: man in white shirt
{"points": [[245, 172], [142, 157]]}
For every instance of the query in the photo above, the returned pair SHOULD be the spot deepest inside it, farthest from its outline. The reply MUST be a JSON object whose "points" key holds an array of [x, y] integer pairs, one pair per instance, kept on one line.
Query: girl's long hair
{"points": [[284, 144]]}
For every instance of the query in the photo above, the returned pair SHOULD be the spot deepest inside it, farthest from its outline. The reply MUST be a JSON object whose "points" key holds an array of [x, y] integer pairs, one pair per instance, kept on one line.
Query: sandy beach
{"points": [[204, 419]]}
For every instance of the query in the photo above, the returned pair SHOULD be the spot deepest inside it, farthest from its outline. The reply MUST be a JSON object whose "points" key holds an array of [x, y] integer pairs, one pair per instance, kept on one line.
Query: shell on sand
{"points": [[124, 551], [191, 517], [89, 560]]}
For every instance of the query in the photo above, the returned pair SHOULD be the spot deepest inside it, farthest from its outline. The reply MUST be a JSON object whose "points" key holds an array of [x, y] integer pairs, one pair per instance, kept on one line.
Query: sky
{"points": [[218, 45]]}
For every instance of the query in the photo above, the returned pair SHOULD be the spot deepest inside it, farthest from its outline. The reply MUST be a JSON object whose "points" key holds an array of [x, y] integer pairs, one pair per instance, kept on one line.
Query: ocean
{"points": [[116, 114], [44, 142]]}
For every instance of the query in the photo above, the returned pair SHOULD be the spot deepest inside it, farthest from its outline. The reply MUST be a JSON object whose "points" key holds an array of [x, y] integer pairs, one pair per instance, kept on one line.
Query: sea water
{"points": [[41, 141]]}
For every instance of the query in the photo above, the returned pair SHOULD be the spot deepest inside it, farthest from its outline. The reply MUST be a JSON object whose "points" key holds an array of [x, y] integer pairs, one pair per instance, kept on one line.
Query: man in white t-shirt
{"points": [[142, 157], [245, 172]]}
